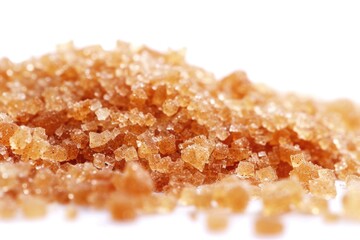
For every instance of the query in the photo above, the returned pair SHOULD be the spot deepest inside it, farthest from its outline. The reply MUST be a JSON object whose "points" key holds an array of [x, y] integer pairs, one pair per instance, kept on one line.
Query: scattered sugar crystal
{"points": [[280, 196], [305, 172], [8, 208], [167, 144], [99, 139], [332, 217], [102, 113], [323, 187], [217, 220], [146, 149], [59, 131], [169, 107], [135, 181], [187, 196], [232, 196], [297, 159], [203, 199], [221, 151], [126, 153], [352, 180], [263, 156], [157, 163], [245, 170], [149, 119], [33, 207], [267, 174], [196, 155], [56, 152], [351, 202], [160, 203], [268, 226], [314, 205], [222, 133], [7, 130], [89, 126], [254, 158], [95, 105], [121, 207], [21, 138], [4, 118], [197, 151], [99, 160], [326, 174], [71, 212]]}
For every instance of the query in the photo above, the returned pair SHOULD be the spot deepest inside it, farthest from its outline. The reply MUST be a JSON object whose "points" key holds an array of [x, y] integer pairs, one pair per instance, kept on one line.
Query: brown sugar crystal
{"points": [[268, 226], [7, 208], [281, 196], [136, 131], [351, 200], [267, 174], [217, 220], [245, 170], [71, 213], [33, 207], [314, 205], [229, 193], [323, 188]]}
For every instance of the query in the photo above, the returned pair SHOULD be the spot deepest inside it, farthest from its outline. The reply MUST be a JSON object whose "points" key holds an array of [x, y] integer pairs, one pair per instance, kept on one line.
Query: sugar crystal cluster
{"points": [[136, 131]]}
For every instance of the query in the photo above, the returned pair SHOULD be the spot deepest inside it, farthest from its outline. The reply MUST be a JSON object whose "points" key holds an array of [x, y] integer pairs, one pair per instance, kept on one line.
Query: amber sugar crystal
{"points": [[268, 226], [217, 220], [136, 131]]}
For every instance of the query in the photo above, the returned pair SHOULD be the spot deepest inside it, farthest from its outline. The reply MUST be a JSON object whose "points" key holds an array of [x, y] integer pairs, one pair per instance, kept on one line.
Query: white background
{"points": [[311, 47]]}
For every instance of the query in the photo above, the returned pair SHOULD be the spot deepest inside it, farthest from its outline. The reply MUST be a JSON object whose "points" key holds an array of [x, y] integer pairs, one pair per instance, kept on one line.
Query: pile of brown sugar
{"points": [[136, 131]]}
